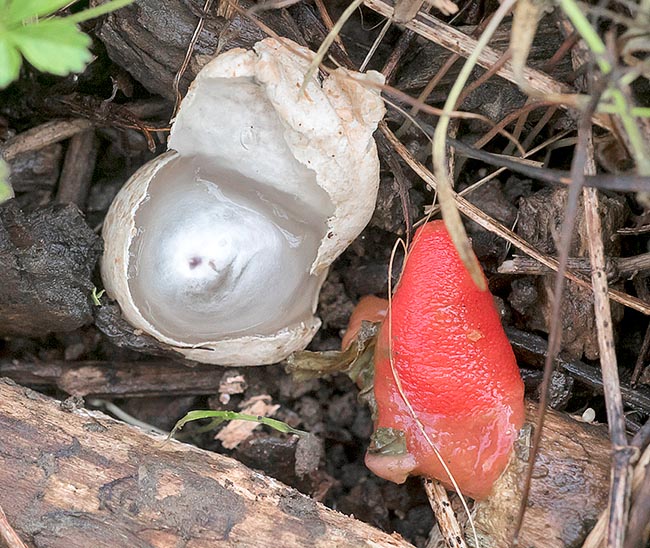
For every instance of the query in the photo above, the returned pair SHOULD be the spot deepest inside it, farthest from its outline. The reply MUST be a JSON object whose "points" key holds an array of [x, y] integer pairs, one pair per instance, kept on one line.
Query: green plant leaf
{"points": [[56, 46], [102, 9], [220, 416], [96, 296], [10, 62], [19, 10], [6, 191]]}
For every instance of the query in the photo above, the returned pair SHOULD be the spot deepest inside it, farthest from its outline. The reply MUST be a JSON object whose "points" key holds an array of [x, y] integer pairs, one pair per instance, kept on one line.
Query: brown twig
{"points": [[494, 69], [78, 168], [619, 501], [445, 515], [41, 136], [188, 56], [396, 55], [7, 534], [640, 359], [493, 226], [615, 267], [454, 40], [532, 350], [605, 181]]}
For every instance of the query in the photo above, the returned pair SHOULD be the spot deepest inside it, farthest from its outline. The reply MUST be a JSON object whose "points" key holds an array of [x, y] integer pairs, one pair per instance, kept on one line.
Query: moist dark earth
{"points": [[49, 249]]}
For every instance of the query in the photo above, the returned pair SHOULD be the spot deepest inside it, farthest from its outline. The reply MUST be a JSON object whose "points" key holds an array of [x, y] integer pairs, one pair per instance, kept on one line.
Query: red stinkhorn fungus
{"points": [[456, 368], [369, 309]]}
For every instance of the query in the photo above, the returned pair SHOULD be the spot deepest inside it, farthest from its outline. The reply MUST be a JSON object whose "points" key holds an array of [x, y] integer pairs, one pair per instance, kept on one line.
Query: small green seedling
{"points": [[6, 191], [220, 416], [51, 44], [96, 295]]}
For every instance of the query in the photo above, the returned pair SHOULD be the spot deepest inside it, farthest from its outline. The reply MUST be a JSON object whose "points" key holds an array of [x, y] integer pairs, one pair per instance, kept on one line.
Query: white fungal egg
{"points": [[219, 247]]}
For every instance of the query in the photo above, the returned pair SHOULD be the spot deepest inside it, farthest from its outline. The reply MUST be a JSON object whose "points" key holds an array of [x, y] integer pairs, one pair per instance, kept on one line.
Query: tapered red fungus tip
{"points": [[443, 339]]}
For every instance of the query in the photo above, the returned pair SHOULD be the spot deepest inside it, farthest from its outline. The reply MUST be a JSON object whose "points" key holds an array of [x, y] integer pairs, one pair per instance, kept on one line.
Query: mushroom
{"points": [[219, 247], [442, 337]]}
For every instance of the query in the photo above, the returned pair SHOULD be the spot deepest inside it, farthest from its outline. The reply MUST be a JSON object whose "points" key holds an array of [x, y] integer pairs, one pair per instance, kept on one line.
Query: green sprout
{"points": [[6, 192], [221, 416], [51, 44], [96, 295]]}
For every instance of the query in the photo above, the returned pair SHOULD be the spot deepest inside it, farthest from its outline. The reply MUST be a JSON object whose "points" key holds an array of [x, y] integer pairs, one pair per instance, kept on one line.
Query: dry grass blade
{"points": [[487, 222], [527, 14], [620, 491], [188, 56], [454, 40], [375, 45], [448, 207]]}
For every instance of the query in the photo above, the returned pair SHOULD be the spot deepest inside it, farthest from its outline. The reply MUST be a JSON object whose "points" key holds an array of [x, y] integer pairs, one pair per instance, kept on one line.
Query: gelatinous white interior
{"points": [[237, 265], [232, 124]]}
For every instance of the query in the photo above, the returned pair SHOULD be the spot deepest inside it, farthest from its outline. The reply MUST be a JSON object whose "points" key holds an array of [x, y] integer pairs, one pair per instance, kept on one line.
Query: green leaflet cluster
{"points": [[51, 44]]}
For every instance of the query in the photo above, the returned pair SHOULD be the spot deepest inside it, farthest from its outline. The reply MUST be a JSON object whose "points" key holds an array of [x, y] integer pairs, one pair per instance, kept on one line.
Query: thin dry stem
{"points": [[7, 534], [555, 322], [188, 56], [41, 136], [493, 226], [454, 40], [445, 516], [619, 501]]}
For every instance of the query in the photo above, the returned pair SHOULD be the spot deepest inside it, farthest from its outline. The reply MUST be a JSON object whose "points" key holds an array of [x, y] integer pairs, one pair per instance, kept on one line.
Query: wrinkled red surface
{"points": [[456, 368]]}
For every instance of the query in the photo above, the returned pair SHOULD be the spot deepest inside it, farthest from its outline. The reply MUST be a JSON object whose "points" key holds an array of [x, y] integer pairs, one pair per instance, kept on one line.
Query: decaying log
{"points": [[149, 39], [79, 478], [47, 258], [116, 379], [569, 489]]}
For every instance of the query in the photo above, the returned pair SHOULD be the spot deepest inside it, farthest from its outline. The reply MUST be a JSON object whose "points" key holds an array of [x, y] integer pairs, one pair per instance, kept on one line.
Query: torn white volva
{"points": [[219, 247]]}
